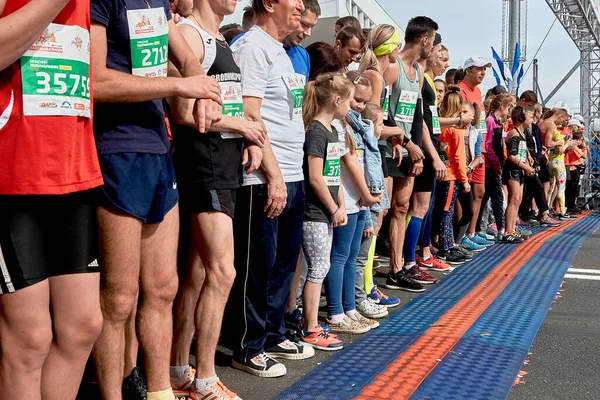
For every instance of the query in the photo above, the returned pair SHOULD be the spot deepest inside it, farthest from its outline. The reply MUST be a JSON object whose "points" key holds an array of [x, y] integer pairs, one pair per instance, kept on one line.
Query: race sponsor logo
{"points": [[47, 42], [66, 104], [79, 106], [48, 104], [77, 42]]}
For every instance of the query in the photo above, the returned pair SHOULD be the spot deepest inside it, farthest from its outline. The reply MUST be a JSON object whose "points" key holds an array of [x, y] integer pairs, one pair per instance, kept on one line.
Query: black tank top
{"points": [[213, 160], [429, 97]]}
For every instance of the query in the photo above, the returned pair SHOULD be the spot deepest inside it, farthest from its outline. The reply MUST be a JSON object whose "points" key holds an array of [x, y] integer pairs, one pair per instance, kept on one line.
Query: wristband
{"points": [[335, 212], [405, 141]]}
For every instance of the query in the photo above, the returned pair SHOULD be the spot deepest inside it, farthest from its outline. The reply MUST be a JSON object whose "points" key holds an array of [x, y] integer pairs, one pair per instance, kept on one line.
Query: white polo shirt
{"points": [[266, 73]]}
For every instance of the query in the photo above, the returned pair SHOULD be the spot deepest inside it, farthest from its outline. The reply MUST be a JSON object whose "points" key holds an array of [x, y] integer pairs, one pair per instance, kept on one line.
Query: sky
{"points": [[471, 30]]}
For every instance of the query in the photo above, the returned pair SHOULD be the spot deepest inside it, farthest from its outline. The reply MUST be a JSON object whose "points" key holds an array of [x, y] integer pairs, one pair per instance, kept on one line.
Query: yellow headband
{"points": [[389, 46]]}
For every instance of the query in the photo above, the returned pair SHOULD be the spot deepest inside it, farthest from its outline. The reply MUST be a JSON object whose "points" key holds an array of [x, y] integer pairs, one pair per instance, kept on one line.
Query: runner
{"points": [[49, 252], [138, 216], [406, 110], [297, 53], [270, 205], [209, 168], [516, 167], [344, 22], [349, 44], [323, 60]]}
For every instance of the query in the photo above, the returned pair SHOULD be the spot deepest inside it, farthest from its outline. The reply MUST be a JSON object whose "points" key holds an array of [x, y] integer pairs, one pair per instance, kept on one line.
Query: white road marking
{"points": [[585, 277], [584, 271]]}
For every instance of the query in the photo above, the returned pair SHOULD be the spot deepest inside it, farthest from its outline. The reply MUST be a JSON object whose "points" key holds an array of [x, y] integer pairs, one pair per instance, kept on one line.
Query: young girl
{"points": [[325, 99], [515, 168], [452, 152], [341, 279], [556, 159]]}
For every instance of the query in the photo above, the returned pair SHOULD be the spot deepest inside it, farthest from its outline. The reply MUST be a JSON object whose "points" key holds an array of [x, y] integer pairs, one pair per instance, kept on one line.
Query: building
{"points": [[368, 12]]}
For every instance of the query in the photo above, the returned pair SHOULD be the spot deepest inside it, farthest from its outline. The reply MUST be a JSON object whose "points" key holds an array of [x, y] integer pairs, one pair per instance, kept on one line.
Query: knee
{"points": [[118, 304], [161, 290], [400, 207], [220, 275], [79, 330], [28, 348]]}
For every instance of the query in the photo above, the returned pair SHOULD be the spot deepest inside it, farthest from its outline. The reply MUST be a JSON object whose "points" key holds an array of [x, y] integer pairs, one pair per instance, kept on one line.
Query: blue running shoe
{"points": [[486, 236], [481, 241], [293, 320], [526, 233], [470, 245], [383, 299]]}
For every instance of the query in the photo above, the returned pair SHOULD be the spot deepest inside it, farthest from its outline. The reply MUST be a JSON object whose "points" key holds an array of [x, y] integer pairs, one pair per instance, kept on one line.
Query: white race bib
{"points": [[295, 84], [55, 73], [233, 105], [149, 42], [407, 104], [435, 120], [331, 168]]}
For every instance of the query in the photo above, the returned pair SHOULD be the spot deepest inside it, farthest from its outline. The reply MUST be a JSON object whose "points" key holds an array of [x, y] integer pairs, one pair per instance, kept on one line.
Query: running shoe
{"points": [[525, 233], [452, 257], [290, 351], [293, 320], [512, 237], [533, 222], [214, 391], [262, 366], [348, 325], [486, 236], [549, 221], [401, 281], [481, 241], [383, 299], [370, 309], [321, 340], [466, 253], [567, 217], [469, 244], [371, 323], [419, 276], [185, 380], [492, 230], [432, 264], [522, 223]]}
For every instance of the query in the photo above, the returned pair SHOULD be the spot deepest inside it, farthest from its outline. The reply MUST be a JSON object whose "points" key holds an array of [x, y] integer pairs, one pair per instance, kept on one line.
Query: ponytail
{"points": [[309, 104], [318, 92], [379, 38], [452, 102]]}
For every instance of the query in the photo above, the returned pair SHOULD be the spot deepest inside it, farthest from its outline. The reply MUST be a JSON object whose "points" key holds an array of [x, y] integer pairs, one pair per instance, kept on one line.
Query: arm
{"points": [[19, 30], [438, 165], [390, 131], [315, 174], [549, 128], [120, 87], [460, 157]]}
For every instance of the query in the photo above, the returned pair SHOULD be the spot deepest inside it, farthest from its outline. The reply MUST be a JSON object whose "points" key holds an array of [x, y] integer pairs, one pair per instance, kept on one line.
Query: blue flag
{"points": [[520, 78], [516, 61], [498, 81], [500, 64]]}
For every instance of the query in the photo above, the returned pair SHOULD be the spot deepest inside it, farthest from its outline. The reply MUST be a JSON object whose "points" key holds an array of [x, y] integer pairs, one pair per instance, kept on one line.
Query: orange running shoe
{"points": [[321, 340], [432, 264], [214, 391]]}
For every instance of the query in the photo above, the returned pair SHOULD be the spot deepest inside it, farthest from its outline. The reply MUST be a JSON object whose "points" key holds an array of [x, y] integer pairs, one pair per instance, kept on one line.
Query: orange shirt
{"points": [[469, 93], [457, 158], [47, 154]]}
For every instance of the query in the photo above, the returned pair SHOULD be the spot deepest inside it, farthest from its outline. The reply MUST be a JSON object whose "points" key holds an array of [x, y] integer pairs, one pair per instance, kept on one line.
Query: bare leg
{"points": [[515, 194], [213, 235], [158, 274], [76, 326], [478, 192], [400, 203], [310, 302], [120, 242], [25, 341], [291, 305], [131, 342]]}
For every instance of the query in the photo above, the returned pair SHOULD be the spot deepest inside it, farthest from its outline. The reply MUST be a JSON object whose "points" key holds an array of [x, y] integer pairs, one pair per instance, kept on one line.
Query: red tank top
{"points": [[46, 137]]}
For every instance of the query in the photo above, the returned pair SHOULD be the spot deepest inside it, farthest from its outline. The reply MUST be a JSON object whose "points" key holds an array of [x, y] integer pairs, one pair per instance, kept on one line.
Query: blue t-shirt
{"points": [[300, 60], [126, 127], [239, 35]]}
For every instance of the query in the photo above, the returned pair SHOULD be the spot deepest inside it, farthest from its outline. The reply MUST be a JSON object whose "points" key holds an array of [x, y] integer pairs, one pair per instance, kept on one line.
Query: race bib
{"points": [[55, 73], [233, 105], [386, 101], [331, 168], [149, 42], [435, 120], [295, 84], [443, 152], [482, 126], [522, 151], [407, 103]]}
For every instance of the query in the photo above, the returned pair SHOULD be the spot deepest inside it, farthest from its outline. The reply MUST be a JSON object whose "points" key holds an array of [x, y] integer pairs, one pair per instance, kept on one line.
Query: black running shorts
{"points": [[47, 235]]}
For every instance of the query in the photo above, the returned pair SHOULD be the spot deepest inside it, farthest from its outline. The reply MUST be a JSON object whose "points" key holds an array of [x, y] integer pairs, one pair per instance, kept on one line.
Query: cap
{"points": [[575, 122], [476, 61], [437, 40], [498, 89], [579, 118]]}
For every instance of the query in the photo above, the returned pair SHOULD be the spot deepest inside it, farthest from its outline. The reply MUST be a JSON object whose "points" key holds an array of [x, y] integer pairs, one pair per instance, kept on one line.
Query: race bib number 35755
{"points": [[55, 73]]}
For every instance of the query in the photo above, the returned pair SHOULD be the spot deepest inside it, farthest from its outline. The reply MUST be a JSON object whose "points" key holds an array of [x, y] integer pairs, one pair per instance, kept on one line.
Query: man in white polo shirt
{"points": [[270, 207]]}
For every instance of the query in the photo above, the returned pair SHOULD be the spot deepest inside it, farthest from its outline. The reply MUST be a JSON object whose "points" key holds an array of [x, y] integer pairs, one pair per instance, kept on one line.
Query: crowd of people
{"points": [[171, 184]]}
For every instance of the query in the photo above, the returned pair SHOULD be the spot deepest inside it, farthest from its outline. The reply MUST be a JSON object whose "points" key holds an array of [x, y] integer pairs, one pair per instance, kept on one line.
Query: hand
{"points": [[367, 233], [339, 218], [252, 158], [467, 187], [176, 18], [206, 112], [416, 168], [439, 168], [414, 152], [277, 197], [370, 200], [397, 153], [199, 87], [467, 119], [254, 132], [529, 171]]}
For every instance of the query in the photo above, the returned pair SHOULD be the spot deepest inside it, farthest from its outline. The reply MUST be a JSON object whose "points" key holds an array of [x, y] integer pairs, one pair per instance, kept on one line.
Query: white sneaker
{"points": [[370, 309], [184, 381], [290, 351]]}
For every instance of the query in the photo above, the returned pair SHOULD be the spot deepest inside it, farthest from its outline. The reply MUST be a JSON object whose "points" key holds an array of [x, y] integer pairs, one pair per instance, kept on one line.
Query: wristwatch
{"points": [[405, 141]]}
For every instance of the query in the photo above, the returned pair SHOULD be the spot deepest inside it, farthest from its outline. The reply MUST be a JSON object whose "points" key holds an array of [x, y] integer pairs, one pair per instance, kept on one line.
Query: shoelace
{"points": [[381, 294], [324, 335], [224, 393]]}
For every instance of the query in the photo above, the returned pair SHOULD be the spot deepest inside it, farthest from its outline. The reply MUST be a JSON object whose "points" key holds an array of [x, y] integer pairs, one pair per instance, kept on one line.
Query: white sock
{"points": [[201, 384], [336, 319], [178, 371], [408, 266], [351, 314]]}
